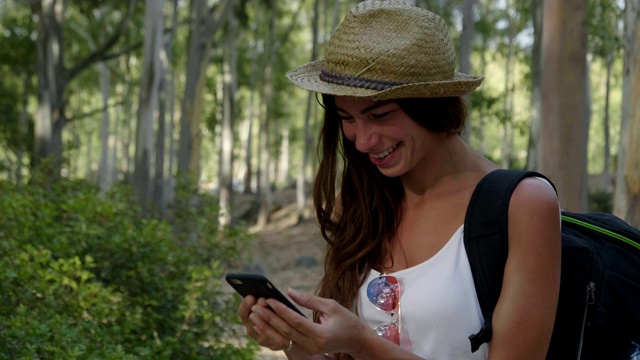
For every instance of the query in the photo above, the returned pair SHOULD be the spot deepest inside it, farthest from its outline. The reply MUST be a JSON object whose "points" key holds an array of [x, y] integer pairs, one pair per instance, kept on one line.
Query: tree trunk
{"points": [[606, 182], [283, 168], [204, 24], [266, 197], [301, 182], [150, 87], [170, 91], [534, 132], [479, 133], [165, 102], [51, 83], [128, 131], [564, 131], [507, 120], [228, 116], [632, 163], [105, 167], [54, 76], [623, 202], [248, 152], [466, 47], [23, 131]]}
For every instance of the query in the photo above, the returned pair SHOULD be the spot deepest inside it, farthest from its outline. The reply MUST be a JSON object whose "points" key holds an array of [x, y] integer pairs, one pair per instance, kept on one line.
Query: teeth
{"points": [[385, 153]]}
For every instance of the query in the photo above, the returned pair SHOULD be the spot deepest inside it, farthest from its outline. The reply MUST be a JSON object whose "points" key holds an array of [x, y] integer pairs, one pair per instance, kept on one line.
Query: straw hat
{"points": [[387, 50]]}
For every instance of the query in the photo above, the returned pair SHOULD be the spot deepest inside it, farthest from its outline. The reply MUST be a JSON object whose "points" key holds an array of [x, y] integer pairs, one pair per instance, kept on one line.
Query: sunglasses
{"points": [[384, 294]]}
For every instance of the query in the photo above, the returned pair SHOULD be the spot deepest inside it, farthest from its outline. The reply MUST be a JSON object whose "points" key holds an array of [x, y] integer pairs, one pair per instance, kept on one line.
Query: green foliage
{"points": [[604, 39], [600, 200], [17, 71], [87, 277]]}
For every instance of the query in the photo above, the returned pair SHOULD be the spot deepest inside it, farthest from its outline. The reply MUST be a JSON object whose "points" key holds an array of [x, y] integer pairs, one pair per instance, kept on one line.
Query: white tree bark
{"points": [[150, 82]]}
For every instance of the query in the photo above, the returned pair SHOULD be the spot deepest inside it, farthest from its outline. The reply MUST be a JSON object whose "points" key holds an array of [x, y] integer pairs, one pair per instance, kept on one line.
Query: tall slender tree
{"points": [[205, 22], [229, 76], [625, 203], [148, 105], [466, 46], [266, 196], [536, 95], [564, 128], [301, 192]]}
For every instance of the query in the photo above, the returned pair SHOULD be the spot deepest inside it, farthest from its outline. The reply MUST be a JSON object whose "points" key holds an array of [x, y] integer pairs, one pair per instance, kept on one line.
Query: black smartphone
{"points": [[260, 287]]}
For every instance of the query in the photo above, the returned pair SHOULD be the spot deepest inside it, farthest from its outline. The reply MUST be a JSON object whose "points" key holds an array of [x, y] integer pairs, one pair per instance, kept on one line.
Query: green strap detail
{"points": [[601, 230]]}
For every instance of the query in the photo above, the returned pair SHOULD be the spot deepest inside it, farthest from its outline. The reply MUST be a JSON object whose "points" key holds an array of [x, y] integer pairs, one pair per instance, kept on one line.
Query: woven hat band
{"points": [[356, 81]]}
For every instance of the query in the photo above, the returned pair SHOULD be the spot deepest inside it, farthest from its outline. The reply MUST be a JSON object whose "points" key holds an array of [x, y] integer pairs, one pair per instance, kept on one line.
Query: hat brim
{"points": [[308, 77]]}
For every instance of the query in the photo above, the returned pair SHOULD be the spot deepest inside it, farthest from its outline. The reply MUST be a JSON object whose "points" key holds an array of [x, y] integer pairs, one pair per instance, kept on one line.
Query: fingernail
{"points": [[293, 291]]}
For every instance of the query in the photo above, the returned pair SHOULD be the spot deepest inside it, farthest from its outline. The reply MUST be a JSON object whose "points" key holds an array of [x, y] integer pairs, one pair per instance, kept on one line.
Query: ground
{"points": [[290, 253]]}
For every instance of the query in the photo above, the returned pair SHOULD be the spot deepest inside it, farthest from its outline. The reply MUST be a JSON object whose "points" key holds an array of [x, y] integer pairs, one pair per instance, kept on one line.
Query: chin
{"points": [[390, 172]]}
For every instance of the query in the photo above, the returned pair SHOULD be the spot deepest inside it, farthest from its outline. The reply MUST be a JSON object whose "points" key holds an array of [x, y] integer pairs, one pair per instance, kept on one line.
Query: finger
{"points": [[245, 307], [262, 339], [266, 325], [313, 302], [244, 310]]}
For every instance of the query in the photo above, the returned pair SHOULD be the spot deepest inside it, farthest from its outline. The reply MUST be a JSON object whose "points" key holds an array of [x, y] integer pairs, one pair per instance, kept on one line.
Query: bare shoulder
{"points": [[534, 209], [533, 194]]}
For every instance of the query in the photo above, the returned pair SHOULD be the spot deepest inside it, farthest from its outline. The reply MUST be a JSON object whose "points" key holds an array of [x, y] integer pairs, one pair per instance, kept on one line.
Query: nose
{"points": [[366, 137]]}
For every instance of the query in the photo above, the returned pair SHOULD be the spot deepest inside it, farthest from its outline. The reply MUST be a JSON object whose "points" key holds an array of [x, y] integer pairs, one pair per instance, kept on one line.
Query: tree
{"points": [[54, 75], [266, 196], [564, 128], [204, 23], [106, 167], [604, 44], [17, 71], [534, 128], [466, 42], [229, 76], [626, 196], [301, 199], [150, 81]]}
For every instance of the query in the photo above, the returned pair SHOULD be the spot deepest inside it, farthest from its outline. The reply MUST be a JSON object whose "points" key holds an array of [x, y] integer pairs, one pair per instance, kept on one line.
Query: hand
{"points": [[339, 329], [266, 337], [273, 325]]}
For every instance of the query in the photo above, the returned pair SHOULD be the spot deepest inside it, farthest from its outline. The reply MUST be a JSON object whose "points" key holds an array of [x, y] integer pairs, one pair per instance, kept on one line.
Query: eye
{"points": [[381, 115], [345, 117]]}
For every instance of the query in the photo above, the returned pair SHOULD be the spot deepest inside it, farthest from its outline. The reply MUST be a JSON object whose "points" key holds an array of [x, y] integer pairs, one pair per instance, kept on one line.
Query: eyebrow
{"points": [[377, 104]]}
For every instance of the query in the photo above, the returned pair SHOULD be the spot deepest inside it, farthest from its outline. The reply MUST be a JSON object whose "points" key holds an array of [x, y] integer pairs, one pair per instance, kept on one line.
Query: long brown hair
{"points": [[360, 231]]}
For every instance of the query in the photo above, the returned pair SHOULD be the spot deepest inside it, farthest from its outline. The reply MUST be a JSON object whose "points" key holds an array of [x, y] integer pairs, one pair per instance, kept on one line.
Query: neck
{"points": [[452, 166]]}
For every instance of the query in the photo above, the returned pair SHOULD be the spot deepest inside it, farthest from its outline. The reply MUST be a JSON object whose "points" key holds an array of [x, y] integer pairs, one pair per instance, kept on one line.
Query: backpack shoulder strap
{"points": [[486, 240]]}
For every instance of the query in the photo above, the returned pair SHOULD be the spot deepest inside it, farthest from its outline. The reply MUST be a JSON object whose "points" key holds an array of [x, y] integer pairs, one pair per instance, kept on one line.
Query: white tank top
{"points": [[439, 307]]}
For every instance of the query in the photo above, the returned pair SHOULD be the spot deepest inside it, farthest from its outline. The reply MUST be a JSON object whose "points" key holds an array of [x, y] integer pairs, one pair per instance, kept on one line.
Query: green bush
{"points": [[600, 200], [87, 277]]}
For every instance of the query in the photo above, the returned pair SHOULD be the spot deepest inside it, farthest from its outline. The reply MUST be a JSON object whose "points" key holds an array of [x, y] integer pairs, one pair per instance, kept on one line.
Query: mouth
{"points": [[385, 153]]}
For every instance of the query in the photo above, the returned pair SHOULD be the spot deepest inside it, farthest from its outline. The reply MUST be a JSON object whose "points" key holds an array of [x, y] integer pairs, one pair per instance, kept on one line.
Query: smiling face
{"points": [[394, 142]]}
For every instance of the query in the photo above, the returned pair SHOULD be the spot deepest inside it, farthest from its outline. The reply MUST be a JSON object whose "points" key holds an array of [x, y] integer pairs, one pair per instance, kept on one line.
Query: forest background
{"points": [[130, 131]]}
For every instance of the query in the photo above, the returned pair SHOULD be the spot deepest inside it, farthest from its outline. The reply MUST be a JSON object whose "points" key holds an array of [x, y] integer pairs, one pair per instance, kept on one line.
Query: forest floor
{"points": [[290, 253]]}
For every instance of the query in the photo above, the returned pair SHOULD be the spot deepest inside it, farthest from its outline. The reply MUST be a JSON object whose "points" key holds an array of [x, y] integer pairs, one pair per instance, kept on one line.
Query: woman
{"points": [[397, 282]]}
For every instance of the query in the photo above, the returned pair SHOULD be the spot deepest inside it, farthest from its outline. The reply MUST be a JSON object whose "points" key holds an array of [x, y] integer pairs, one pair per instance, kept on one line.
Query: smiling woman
{"points": [[397, 281]]}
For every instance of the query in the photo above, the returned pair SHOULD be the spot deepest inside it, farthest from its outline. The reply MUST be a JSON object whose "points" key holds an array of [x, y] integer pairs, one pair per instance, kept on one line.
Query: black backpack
{"points": [[598, 313]]}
